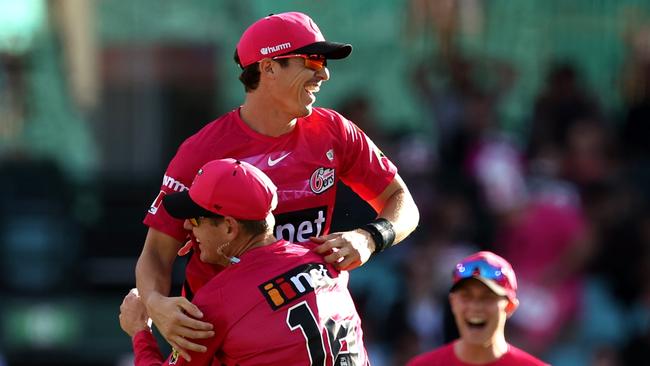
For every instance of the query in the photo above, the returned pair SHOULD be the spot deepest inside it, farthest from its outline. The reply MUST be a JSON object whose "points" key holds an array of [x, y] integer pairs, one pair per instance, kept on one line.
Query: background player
{"points": [[305, 150], [483, 296], [274, 301]]}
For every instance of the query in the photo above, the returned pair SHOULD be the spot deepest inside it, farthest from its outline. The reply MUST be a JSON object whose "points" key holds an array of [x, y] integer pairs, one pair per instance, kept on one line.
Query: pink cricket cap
{"points": [[225, 187], [489, 268], [285, 33]]}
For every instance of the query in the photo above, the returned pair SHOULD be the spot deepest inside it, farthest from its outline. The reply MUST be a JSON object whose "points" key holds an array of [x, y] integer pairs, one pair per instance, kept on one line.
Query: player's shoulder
{"points": [[216, 126], [328, 117], [204, 140], [294, 255], [330, 120], [326, 114], [210, 295], [300, 253], [521, 357]]}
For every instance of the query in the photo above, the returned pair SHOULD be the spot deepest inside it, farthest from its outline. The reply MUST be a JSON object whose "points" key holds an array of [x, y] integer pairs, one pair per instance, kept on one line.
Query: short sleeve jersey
{"points": [[305, 164], [445, 356], [280, 305]]}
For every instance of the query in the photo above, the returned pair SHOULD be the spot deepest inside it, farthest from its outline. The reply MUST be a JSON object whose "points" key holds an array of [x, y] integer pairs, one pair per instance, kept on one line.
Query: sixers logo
{"points": [[321, 180]]}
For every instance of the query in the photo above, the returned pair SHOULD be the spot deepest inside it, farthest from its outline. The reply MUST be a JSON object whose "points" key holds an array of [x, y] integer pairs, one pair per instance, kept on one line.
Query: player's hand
{"points": [[133, 314], [175, 318], [346, 250]]}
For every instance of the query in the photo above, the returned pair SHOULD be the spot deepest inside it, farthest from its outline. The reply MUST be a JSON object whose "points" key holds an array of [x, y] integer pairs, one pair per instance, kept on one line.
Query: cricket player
{"points": [[483, 296], [275, 303], [305, 150]]}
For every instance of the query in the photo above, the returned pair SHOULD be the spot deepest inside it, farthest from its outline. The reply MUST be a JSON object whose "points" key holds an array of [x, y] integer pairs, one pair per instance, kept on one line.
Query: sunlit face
{"points": [[480, 314], [296, 86], [212, 238]]}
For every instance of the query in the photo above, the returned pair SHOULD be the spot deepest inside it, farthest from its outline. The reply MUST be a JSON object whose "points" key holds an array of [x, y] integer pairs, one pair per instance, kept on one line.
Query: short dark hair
{"points": [[250, 75], [253, 227]]}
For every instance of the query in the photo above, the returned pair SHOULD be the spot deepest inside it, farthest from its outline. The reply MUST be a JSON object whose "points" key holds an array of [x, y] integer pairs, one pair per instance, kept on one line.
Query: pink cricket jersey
{"points": [[280, 305], [445, 356], [304, 164]]}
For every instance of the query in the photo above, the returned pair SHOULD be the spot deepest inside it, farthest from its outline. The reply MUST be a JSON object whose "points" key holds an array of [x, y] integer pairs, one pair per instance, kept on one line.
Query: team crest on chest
{"points": [[321, 180]]}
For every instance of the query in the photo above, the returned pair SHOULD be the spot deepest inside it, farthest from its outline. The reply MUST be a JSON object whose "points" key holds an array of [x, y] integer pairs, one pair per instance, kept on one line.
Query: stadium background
{"points": [[96, 95]]}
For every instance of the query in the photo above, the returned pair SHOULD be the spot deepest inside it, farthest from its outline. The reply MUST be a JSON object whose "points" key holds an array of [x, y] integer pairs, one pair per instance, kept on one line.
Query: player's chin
{"points": [[307, 106], [474, 332]]}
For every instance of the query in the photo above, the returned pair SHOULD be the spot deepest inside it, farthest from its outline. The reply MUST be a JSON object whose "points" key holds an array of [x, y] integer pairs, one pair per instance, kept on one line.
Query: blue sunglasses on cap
{"points": [[480, 268]]}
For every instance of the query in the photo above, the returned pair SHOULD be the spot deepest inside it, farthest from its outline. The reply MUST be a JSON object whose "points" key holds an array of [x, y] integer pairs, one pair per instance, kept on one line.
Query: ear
{"points": [[267, 68], [452, 299], [512, 306], [231, 226]]}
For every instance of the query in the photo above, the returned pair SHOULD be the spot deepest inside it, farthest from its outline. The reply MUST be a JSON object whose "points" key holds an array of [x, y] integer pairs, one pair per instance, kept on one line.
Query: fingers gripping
{"points": [[176, 321], [339, 248], [189, 308], [347, 250]]}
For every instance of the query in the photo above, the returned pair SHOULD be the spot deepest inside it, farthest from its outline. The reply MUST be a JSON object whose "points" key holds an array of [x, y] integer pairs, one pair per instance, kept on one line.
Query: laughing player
{"points": [[482, 297]]}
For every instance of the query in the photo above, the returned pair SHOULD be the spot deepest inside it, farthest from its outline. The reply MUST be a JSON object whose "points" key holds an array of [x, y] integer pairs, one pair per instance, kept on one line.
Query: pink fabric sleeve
{"points": [[146, 349], [177, 178], [365, 168]]}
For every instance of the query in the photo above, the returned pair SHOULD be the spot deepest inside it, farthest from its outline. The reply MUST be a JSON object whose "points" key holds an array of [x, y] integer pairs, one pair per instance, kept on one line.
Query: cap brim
{"points": [[331, 50], [181, 206], [496, 288]]}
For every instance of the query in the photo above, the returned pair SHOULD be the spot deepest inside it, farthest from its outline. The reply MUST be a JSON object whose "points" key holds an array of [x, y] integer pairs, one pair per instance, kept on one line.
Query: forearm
{"points": [[397, 217], [403, 214], [396, 205], [152, 277], [153, 272]]}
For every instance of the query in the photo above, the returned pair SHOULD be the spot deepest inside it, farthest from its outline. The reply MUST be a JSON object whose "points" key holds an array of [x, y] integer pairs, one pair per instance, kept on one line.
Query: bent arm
{"points": [[351, 249], [396, 205], [175, 317]]}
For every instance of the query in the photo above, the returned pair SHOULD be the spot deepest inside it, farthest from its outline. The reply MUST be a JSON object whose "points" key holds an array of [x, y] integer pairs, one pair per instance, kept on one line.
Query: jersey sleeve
{"points": [[364, 167], [177, 178], [210, 301], [146, 349]]}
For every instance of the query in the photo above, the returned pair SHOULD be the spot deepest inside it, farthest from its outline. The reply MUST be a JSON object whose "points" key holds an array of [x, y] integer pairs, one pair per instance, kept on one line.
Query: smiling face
{"points": [[480, 314], [213, 239], [294, 91]]}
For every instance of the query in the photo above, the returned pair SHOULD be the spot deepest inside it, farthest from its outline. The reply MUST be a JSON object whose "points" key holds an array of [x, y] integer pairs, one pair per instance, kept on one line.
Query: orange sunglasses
{"points": [[314, 62]]}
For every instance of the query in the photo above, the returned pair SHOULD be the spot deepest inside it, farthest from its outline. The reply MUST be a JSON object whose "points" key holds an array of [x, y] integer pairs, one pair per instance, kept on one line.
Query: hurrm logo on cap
{"points": [[276, 48]]}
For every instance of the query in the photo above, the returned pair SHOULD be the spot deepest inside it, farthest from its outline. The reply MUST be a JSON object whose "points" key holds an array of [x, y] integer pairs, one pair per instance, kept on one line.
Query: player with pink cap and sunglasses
{"points": [[275, 303], [304, 149], [483, 296]]}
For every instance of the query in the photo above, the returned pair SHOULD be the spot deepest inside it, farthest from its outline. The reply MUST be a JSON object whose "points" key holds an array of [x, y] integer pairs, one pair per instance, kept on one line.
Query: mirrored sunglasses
{"points": [[480, 268], [314, 62]]}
